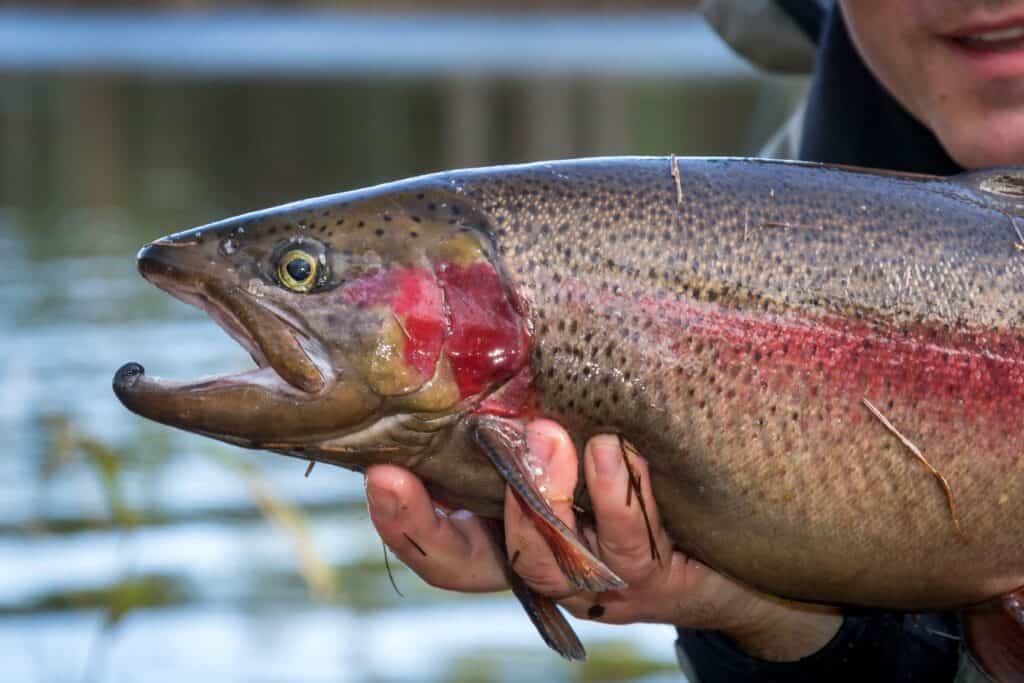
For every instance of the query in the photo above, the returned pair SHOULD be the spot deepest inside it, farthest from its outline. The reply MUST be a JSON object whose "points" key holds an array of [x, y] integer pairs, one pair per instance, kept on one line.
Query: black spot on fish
{"points": [[340, 221], [413, 234], [379, 232], [416, 219], [362, 223]]}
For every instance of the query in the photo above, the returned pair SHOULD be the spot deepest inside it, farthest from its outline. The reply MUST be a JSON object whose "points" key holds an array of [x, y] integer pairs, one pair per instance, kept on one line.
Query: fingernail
{"points": [[383, 503], [607, 455], [541, 447]]}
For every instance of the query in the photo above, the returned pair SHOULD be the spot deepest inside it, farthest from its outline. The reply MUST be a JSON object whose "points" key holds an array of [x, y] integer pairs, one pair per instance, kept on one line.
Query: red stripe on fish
{"points": [[966, 372]]}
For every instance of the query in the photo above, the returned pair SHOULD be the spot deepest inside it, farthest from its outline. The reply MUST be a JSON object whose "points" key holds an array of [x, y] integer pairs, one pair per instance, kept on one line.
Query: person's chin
{"points": [[985, 138]]}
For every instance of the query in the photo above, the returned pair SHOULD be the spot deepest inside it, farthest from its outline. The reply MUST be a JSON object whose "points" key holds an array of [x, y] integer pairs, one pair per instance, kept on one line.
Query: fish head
{"points": [[374, 322]]}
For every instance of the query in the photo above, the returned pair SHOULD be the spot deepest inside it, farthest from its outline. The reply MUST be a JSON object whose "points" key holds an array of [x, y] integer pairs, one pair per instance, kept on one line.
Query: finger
{"points": [[449, 551], [555, 456], [630, 537]]}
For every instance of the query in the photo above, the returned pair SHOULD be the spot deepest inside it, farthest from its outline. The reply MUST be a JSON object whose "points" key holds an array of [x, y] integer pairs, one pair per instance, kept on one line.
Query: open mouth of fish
{"points": [[288, 360]]}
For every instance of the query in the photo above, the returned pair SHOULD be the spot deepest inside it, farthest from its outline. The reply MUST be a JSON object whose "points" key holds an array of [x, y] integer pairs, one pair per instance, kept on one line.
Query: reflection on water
{"points": [[132, 551]]}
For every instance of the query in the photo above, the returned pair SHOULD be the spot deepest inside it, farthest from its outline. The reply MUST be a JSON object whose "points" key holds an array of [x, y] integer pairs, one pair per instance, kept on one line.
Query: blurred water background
{"points": [[132, 552]]}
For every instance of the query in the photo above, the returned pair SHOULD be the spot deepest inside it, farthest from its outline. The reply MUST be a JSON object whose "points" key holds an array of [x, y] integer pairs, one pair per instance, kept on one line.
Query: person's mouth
{"points": [[1002, 39], [991, 50]]}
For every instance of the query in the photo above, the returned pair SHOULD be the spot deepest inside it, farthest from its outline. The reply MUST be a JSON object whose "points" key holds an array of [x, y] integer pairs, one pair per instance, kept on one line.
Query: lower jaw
{"points": [[264, 377]]}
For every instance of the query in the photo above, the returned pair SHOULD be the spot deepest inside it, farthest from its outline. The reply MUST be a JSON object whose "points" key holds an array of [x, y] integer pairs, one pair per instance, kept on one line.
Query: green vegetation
{"points": [[606, 661], [618, 661], [118, 599]]}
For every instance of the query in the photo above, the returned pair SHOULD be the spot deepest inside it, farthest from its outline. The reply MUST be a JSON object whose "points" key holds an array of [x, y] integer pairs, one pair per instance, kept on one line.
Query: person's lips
{"points": [[1005, 39], [990, 51]]}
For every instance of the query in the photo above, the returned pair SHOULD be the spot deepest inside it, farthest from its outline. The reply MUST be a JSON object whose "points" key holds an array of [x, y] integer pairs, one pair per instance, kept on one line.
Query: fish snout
{"points": [[126, 377], [164, 259]]}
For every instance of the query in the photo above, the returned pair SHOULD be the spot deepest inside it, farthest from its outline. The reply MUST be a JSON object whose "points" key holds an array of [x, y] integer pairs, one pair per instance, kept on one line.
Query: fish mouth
{"points": [[288, 360]]}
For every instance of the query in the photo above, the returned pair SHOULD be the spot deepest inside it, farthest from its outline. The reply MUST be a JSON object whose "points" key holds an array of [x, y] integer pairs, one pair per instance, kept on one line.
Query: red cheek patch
{"points": [[488, 340], [419, 305], [376, 287], [416, 300], [464, 310]]}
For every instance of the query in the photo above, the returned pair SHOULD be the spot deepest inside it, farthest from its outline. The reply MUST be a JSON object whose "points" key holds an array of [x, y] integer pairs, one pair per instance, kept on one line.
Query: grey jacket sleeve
{"points": [[762, 33]]}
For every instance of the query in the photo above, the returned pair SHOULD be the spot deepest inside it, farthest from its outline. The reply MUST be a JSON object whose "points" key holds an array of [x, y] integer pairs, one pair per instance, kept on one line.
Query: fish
{"points": [[823, 365]]}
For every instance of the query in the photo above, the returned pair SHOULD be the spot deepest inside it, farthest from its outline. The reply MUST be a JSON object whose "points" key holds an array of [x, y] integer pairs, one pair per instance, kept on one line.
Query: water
{"points": [[130, 551]]}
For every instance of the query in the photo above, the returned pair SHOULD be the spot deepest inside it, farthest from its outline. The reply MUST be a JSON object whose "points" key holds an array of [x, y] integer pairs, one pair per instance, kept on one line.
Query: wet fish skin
{"points": [[734, 335], [730, 327]]}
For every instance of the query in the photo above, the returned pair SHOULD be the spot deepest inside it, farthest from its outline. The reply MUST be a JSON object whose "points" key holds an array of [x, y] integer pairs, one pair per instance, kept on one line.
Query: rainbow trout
{"points": [[823, 366]]}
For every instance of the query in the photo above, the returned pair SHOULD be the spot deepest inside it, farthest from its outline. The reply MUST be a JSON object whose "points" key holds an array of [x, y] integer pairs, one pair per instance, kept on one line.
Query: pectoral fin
{"points": [[551, 624], [504, 443]]}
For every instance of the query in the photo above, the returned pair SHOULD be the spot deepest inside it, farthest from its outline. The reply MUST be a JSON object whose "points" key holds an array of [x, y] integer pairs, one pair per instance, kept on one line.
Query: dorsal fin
{"points": [[1002, 183]]}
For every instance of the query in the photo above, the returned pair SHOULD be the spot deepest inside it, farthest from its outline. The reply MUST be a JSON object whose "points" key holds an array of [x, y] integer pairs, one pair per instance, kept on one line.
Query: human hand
{"points": [[663, 586]]}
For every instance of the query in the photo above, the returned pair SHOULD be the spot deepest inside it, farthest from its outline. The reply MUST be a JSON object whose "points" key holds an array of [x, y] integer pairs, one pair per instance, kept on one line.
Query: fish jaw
{"points": [[254, 409]]}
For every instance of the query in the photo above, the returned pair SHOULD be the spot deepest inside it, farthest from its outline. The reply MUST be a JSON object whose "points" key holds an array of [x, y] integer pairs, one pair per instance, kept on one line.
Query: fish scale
{"points": [[762, 330]]}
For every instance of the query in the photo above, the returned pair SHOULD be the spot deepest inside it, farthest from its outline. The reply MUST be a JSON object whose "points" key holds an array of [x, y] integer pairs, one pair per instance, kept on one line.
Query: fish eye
{"points": [[297, 270]]}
